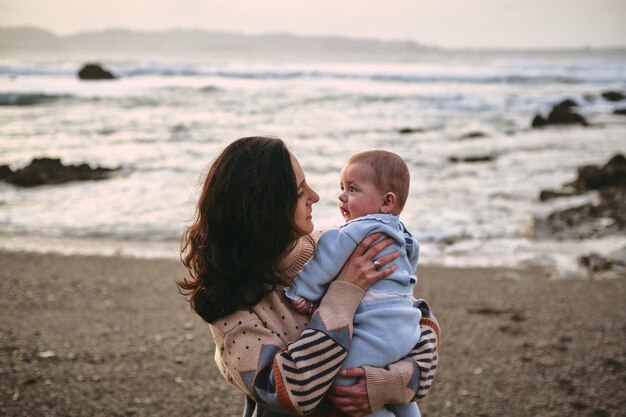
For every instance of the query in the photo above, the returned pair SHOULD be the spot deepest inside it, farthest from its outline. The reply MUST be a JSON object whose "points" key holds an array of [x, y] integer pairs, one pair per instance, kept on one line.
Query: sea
{"points": [[166, 117]]}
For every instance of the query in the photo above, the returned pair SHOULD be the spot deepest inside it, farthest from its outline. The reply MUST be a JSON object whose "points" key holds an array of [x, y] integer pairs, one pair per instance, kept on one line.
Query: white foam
{"points": [[99, 247]]}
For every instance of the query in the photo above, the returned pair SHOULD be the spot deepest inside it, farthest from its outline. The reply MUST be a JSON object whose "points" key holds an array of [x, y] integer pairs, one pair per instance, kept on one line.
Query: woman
{"points": [[252, 234]]}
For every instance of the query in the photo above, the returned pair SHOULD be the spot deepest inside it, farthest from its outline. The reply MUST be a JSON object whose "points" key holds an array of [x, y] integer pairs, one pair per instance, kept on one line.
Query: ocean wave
{"points": [[163, 72], [530, 75], [487, 79], [29, 99], [406, 77], [54, 71]]}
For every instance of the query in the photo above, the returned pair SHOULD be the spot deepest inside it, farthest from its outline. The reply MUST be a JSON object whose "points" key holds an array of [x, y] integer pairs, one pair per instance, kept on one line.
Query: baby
{"points": [[374, 189]]}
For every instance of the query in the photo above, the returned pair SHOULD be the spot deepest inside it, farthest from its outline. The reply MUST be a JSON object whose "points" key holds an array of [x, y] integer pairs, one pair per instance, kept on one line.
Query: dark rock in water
{"points": [[568, 103], [5, 171], [409, 130], [612, 174], [613, 205], [539, 121], [595, 263], [546, 195], [589, 178], [608, 217], [472, 159], [613, 264], [588, 221], [613, 95], [51, 171], [473, 135], [94, 72], [620, 112], [561, 114]]}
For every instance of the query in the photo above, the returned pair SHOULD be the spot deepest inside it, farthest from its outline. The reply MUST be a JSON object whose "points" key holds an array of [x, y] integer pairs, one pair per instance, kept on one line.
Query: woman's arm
{"points": [[293, 378], [399, 383]]}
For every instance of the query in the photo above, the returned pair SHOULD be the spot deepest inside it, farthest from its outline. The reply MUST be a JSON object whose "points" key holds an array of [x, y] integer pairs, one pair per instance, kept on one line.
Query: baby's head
{"points": [[373, 182]]}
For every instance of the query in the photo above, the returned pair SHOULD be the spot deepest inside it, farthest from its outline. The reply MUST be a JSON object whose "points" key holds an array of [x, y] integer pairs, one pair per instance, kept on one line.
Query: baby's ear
{"points": [[389, 202]]}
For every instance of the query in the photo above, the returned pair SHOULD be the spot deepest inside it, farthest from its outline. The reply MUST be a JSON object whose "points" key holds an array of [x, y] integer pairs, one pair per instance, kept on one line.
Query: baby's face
{"points": [[359, 196]]}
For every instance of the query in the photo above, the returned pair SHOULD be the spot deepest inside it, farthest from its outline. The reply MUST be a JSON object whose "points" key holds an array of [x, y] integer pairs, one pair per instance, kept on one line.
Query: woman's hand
{"points": [[360, 269], [353, 399]]}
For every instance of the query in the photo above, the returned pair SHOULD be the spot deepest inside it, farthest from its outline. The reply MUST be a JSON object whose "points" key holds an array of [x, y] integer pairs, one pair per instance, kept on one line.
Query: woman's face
{"points": [[303, 216]]}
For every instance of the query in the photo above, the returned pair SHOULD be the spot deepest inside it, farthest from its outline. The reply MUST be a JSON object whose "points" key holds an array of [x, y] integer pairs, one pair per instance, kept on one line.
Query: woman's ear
{"points": [[389, 203]]}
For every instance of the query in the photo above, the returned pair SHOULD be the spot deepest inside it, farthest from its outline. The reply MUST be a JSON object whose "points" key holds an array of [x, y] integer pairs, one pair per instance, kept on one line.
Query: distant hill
{"points": [[180, 41]]}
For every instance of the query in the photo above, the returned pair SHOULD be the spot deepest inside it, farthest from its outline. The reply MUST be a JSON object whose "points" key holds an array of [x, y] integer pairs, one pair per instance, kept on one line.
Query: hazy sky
{"points": [[447, 23]]}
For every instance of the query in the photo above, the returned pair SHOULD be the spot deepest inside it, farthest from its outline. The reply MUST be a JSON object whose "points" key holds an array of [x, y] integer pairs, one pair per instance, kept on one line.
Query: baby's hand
{"points": [[302, 305]]}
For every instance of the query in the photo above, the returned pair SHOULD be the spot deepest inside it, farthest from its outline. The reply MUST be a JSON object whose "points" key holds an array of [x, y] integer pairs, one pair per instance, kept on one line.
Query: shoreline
{"points": [[109, 336], [556, 258]]}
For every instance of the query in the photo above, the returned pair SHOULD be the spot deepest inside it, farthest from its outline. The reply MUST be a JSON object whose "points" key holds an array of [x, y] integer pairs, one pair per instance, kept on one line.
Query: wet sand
{"points": [[107, 336]]}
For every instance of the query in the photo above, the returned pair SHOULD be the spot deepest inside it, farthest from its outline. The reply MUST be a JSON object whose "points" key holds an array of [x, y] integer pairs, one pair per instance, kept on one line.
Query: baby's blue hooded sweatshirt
{"points": [[386, 325], [387, 310]]}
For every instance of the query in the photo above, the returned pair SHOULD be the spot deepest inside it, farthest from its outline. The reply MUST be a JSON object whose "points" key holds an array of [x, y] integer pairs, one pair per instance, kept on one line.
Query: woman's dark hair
{"points": [[244, 224]]}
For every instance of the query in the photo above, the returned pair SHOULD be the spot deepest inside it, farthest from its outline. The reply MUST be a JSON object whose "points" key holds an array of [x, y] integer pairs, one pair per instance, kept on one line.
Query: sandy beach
{"points": [[110, 336]]}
